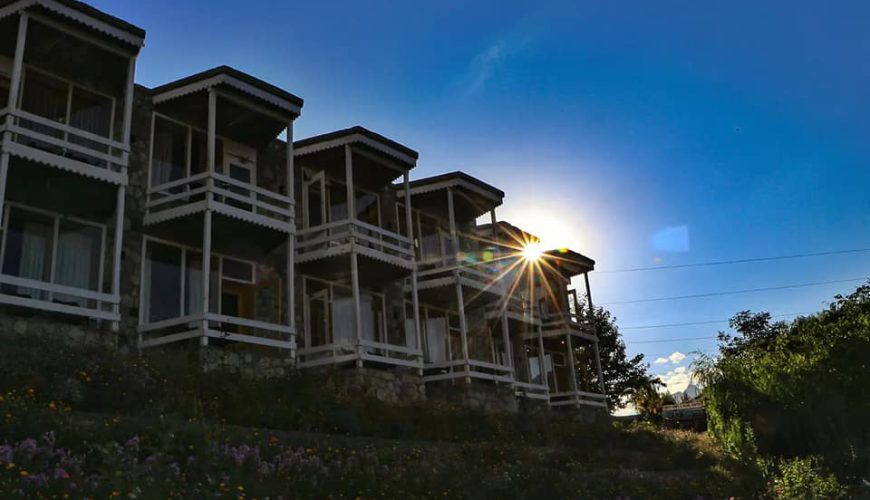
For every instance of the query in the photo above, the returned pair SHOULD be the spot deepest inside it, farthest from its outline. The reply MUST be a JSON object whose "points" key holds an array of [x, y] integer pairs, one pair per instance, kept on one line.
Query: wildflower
{"points": [[23, 473], [6, 453], [60, 474]]}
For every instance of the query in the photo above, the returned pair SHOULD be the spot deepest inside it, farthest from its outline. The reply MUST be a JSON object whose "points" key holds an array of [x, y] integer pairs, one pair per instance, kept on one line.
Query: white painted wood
{"points": [[357, 310], [224, 79], [356, 139], [59, 308], [127, 124], [212, 130], [12, 104], [90, 22], [206, 270], [571, 367], [118, 247]]}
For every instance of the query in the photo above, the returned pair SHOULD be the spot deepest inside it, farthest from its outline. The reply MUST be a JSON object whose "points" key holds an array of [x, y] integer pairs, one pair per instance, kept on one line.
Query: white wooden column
{"points": [[291, 244], [415, 299], [571, 364], [211, 154], [532, 308], [128, 110], [14, 87], [354, 261], [451, 213], [117, 249], [463, 326], [595, 346]]}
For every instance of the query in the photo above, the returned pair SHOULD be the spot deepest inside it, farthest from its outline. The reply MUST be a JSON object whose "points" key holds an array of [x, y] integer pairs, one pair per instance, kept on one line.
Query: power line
{"points": [[736, 292], [736, 261], [692, 323], [670, 340]]}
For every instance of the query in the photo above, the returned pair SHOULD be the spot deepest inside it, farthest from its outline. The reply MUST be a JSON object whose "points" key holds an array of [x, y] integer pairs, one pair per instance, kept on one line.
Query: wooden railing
{"points": [[232, 194], [472, 368], [311, 242], [363, 350], [220, 326], [82, 149], [58, 298], [567, 321], [578, 398]]}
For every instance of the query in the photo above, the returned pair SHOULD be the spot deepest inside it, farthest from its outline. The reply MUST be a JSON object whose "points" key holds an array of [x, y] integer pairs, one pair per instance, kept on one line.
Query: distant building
{"points": [[691, 415]]}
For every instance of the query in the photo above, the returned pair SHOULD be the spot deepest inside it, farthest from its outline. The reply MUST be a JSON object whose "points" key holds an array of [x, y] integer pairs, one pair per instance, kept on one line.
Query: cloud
{"points": [[677, 379], [484, 65], [675, 357]]}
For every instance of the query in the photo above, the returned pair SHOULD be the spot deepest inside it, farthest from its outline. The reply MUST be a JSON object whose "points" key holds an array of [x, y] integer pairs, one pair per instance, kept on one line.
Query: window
{"points": [[367, 208], [4, 90], [64, 102], [171, 143], [238, 270], [42, 246]]}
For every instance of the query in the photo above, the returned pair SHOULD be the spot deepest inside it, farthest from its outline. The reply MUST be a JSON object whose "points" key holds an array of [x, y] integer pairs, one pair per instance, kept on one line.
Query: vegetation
{"points": [[792, 397], [82, 421]]}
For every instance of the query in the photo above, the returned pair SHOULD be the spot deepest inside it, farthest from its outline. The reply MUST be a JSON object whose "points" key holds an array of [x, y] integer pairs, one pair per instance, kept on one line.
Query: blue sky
{"points": [[637, 133]]}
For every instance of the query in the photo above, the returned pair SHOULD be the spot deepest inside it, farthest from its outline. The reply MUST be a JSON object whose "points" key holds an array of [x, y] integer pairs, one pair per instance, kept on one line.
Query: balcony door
{"points": [[239, 165]]}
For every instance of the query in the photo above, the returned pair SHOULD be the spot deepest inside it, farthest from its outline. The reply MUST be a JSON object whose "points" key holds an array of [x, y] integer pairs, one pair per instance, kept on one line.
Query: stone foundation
{"points": [[477, 395], [61, 328], [395, 386]]}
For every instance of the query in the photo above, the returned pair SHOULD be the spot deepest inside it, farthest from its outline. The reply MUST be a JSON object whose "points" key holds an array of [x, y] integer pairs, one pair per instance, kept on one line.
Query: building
{"points": [[179, 215]]}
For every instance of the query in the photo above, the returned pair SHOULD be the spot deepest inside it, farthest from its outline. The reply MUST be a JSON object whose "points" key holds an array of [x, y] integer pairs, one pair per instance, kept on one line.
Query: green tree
{"points": [[623, 376]]}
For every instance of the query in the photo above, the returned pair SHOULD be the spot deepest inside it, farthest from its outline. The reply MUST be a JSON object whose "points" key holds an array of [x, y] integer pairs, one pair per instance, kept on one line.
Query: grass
{"points": [[85, 422]]}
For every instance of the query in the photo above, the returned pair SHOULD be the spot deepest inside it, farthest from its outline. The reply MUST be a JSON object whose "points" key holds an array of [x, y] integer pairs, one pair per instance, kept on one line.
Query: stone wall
{"points": [[396, 386], [477, 395]]}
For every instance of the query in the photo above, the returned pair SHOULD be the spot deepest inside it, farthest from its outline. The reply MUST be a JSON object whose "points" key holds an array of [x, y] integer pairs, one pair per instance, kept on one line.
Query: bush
{"points": [[804, 478]]}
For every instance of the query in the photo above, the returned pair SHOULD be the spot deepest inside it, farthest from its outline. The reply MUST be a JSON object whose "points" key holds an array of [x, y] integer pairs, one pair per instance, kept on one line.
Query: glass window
{"points": [[342, 315], [78, 259], [91, 112], [170, 152], [238, 270], [367, 208], [436, 337], [45, 96], [337, 202], [162, 288], [28, 250], [4, 91]]}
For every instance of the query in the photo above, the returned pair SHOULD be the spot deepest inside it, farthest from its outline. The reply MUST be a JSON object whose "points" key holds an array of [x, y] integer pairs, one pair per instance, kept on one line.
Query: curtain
{"points": [[436, 339], [342, 319], [170, 152], [35, 248], [75, 251], [193, 282]]}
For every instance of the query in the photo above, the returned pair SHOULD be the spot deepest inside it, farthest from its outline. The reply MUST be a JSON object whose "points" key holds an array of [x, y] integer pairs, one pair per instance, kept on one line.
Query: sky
{"points": [[637, 133]]}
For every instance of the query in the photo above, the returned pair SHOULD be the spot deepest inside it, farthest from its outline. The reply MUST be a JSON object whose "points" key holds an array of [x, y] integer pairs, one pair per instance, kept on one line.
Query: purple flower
{"points": [[133, 442], [59, 473], [7, 453]]}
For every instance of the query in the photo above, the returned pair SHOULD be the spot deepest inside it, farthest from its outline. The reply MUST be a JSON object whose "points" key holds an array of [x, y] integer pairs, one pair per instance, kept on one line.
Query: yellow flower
{"points": [[23, 473]]}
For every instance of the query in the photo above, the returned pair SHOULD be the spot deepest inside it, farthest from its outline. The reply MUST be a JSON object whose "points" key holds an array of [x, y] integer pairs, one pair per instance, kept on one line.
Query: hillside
{"points": [[86, 421]]}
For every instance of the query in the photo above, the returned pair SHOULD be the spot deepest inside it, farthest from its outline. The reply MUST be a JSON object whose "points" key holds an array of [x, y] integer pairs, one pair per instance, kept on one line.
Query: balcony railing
{"points": [[567, 323], [364, 350], [63, 299], [229, 195], [220, 326], [58, 144], [460, 368], [574, 398], [337, 238]]}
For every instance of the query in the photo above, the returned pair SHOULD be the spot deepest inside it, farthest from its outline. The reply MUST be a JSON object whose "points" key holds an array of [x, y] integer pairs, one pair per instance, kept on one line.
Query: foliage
{"points": [[795, 389], [623, 376], [649, 401], [804, 478]]}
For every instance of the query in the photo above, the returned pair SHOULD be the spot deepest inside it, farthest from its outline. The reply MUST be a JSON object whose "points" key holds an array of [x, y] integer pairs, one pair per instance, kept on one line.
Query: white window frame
{"points": [[56, 217], [184, 249], [71, 84], [330, 289]]}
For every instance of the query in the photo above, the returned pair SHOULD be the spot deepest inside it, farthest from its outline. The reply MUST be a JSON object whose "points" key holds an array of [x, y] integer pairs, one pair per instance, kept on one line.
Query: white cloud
{"points": [[680, 369], [661, 361], [677, 357], [484, 65], [676, 380]]}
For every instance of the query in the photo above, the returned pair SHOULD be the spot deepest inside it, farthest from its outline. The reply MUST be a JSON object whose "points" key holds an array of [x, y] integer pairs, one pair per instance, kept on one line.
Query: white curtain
{"points": [[342, 319], [436, 339], [193, 298], [73, 267], [35, 246], [367, 311]]}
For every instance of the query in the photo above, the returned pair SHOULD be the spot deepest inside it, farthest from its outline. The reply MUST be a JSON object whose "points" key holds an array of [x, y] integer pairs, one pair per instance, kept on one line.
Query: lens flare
{"points": [[532, 251]]}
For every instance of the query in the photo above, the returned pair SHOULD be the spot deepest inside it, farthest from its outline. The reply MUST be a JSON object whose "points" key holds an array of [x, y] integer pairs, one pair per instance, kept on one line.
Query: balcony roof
{"points": [[472, 197], [568, 262], [508, 234], [82, 13], [276, 99], [356, 134]]}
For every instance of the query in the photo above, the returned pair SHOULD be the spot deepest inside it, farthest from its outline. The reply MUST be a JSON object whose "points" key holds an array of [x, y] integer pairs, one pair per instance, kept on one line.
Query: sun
{"points": [[532, 251]]}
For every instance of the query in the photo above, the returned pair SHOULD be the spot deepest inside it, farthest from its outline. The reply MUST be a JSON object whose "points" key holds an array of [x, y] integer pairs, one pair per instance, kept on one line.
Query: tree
{"points": [[623, 376], [649, 400]]}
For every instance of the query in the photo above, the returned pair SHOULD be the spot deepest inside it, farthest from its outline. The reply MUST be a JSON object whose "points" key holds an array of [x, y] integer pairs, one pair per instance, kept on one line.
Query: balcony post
{"points": [[206, 274], [506, 338], [595, 346], [463, 326], [128, 111], [348, 172], [571, 364], [357, 310], [211, 144], [117, 249], [540, 328], [409, 220], [452, 216], [14, 84], [291, 245]]}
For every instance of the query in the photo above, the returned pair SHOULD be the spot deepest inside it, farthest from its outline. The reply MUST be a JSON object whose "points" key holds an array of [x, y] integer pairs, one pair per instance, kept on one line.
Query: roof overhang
{"points": [[568, 262], [272, 100], [83, 14], [377, 160], [472, 197]]}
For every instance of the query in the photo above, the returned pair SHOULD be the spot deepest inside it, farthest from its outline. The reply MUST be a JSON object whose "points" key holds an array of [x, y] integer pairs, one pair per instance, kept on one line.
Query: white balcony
{"points": [[344, 237]]}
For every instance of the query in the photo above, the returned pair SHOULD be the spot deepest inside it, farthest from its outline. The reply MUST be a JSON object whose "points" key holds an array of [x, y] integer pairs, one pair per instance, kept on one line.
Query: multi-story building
{"points": [[187, 214]]}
